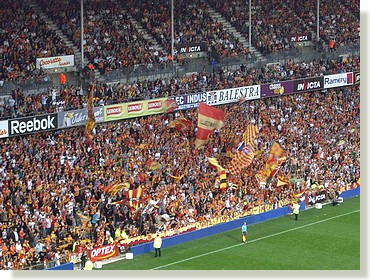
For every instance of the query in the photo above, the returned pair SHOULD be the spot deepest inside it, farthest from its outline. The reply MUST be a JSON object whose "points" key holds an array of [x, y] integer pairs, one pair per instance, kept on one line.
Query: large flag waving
{"points": [[244, 154], [272, 165], [209, 119], [170, 105]]}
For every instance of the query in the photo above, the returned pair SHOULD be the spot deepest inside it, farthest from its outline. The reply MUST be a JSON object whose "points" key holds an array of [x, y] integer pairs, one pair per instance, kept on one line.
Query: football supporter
{"points": [[55, 187]]}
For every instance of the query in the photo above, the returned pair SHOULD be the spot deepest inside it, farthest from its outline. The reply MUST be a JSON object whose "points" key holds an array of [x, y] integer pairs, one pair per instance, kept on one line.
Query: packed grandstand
{"points": [[66, 188]]}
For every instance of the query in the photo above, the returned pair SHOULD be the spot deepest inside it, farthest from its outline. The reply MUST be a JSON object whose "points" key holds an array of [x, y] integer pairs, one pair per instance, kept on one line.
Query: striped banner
{"points": [[209, 119]]}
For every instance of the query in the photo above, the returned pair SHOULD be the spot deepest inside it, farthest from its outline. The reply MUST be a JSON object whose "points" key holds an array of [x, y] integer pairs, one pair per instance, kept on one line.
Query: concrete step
{"points": [[145, 34], [242, 38]]}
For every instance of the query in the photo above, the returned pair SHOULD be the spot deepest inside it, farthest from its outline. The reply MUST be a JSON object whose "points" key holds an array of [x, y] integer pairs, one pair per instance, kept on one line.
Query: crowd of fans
{"points": [[109, 46], [340, 21], [53, 184], [24, 36], [193, 24], [274, 21], [73, 97], [112, 41]]}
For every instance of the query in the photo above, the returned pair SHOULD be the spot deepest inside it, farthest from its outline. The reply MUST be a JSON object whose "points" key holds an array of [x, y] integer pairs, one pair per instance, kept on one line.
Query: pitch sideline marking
{"points": [[254, 240]]}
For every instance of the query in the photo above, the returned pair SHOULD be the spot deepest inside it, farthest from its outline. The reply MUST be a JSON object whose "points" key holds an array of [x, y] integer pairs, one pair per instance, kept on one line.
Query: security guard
{"points": [[157, 244], [296, 210], [89, 265]]}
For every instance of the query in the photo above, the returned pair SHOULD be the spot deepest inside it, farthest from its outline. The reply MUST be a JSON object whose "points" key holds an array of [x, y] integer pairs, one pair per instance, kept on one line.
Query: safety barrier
{"points": [[219, 228]]}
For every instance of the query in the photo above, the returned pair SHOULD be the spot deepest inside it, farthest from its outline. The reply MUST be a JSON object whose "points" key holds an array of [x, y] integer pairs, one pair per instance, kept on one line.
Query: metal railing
{"points": [[44, 265], [129, 75], [169, 70]]}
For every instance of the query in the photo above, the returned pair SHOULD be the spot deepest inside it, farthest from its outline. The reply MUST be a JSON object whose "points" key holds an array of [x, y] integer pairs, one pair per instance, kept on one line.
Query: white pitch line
{"points": [[254, 240]]}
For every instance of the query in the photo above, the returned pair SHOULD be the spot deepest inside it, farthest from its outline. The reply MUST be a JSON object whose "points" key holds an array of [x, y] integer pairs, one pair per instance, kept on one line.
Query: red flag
{"points": [[180, 123], [170, 105], [209, 119]]}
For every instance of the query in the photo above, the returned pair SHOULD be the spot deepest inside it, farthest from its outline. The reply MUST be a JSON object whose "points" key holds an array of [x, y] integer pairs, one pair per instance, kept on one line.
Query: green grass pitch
{"points": [[321, 239]]}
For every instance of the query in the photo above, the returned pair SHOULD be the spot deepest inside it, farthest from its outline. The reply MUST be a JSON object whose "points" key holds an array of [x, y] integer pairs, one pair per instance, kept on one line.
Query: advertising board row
{"points": [[73, 118], [187, 48], [67, 119]]}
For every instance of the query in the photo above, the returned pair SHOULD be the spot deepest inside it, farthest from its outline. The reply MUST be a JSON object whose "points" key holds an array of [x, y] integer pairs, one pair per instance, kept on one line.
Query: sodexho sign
{"points": [[32, 124], [278, 88]]}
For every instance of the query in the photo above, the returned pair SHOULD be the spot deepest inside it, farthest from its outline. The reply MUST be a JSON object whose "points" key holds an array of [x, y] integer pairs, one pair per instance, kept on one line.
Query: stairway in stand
{"points": [[69, 43], [242, 38]]}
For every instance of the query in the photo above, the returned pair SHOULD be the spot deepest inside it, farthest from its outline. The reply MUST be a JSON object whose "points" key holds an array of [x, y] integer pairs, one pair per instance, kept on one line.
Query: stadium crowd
{"points": [[53, 184], [111, 38], [193, 24], [24, 36], [73, 97], [108, 46], [274, 21]]}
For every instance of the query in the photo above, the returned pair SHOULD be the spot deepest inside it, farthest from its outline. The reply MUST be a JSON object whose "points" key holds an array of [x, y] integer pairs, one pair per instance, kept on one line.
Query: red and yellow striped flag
{"points": [[209, 119], [180, 123], [273, 164], [214, 163], [282, 181], [223, 180], [134, 196]]}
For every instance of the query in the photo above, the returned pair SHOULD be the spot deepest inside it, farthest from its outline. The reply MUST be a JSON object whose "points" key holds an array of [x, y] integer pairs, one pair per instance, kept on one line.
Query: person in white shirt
{"points": [[57, 258], [18, 246]]}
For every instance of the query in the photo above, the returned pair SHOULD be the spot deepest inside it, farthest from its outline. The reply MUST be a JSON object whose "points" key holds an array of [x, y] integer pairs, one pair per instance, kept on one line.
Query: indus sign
{"points": [[32, 124]]}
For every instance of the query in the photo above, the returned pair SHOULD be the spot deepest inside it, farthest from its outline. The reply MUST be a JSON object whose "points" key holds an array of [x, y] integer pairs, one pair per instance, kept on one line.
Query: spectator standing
{"points": [[57, 258], [157, 245]]}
